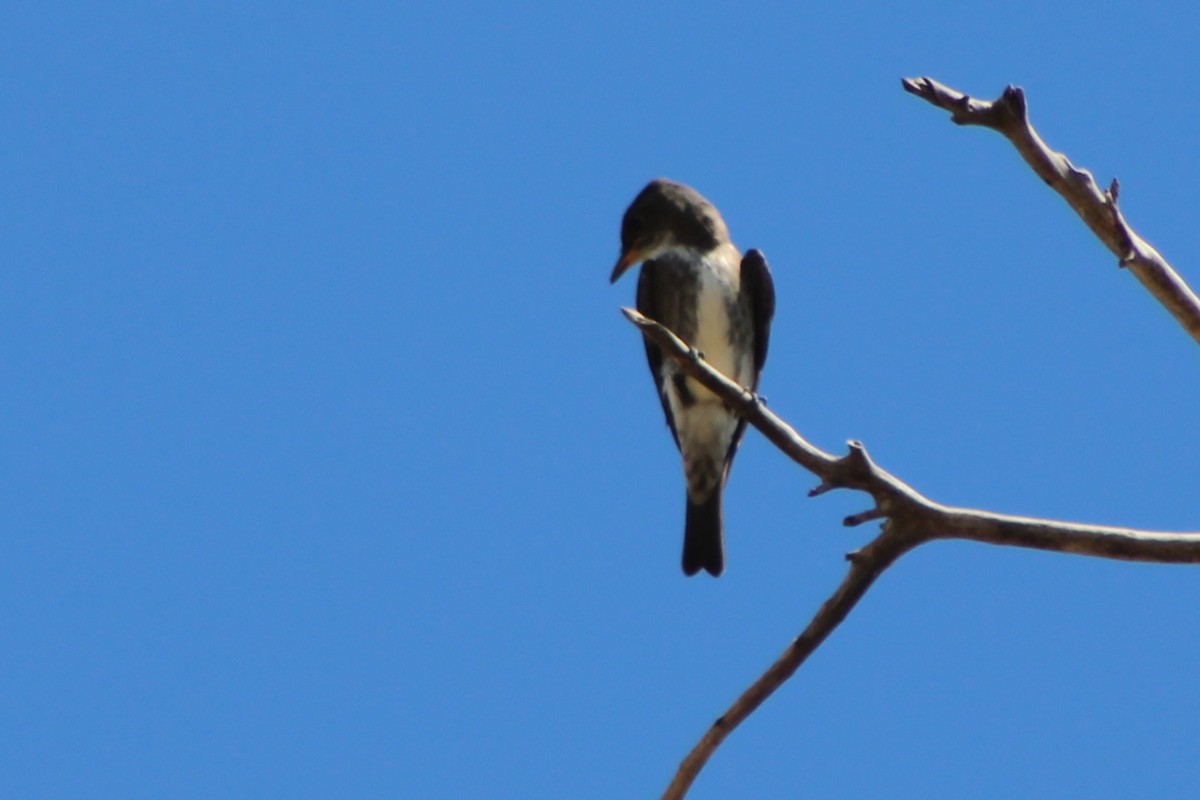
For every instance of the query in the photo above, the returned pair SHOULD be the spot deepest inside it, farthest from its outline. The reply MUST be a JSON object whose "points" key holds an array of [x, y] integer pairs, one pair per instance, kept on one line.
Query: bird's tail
{"points": [[703, 547]]}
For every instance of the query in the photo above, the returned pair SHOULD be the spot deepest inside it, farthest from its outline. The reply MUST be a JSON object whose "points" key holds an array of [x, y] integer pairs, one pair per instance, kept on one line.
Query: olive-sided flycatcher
{"points": [[695, 282]]}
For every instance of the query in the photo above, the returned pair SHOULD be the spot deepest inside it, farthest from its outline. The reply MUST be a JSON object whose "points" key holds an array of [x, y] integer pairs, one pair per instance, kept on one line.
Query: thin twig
{"points": [[1009, 115]]}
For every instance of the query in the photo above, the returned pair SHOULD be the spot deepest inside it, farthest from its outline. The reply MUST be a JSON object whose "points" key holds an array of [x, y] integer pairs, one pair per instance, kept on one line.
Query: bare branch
{"points": [[1098, 208], [921, 517], [911, 519], [866, 565]]}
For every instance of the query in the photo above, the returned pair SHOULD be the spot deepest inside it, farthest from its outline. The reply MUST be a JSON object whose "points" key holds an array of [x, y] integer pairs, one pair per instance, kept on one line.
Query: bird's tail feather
{"points": [[703, 547]]}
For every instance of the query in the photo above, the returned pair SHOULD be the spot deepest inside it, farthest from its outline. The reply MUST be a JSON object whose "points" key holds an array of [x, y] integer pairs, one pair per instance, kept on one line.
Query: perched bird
{"points": [[695, 282]]}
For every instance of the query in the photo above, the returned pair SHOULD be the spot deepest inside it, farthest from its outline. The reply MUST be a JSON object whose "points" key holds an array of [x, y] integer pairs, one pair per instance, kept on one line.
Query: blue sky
{"points": [[331, 469]]}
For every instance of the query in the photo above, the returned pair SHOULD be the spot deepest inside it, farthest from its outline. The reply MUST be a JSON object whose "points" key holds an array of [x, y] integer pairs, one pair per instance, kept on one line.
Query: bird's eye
{"points": [[632, 229], [633, 226]]}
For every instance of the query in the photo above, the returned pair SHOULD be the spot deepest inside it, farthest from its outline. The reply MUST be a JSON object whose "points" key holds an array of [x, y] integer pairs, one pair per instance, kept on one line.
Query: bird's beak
{"points": [[626, 261]]}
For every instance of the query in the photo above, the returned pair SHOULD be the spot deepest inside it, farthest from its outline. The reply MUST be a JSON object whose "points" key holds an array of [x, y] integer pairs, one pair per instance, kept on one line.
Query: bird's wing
{"points": [[650, 293], [759, 290]]}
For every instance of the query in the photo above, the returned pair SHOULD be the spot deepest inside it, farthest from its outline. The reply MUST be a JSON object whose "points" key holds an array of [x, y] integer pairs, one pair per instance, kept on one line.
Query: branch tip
{"points": [[917, 86], [857, 455], [1014, 99], [854, 520], [857, 556]]}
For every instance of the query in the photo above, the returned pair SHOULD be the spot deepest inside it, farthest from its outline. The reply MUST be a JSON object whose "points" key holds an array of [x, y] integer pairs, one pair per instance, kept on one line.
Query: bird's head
{"points": [[664, 215]]}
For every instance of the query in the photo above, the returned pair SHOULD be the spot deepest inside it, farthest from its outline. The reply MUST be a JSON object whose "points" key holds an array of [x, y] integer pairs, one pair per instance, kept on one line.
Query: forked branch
{"points": [[910, 519]]}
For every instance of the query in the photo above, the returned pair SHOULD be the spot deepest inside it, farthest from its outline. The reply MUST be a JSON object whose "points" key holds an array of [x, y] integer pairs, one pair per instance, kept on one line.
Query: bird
{"points": [[695, 281]]}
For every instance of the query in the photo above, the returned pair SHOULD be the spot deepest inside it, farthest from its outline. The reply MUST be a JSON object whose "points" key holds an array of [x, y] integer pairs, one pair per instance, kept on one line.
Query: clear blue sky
{"points": [[331, 470]]}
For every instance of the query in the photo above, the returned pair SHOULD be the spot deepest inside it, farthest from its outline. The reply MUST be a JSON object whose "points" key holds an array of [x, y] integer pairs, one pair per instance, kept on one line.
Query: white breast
{"points": [[708, 421], [720, 282]]}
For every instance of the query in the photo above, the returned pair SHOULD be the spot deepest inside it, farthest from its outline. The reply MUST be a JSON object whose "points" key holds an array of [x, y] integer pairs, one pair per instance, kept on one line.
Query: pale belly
{"points": [[706, 425], [713, 331]]}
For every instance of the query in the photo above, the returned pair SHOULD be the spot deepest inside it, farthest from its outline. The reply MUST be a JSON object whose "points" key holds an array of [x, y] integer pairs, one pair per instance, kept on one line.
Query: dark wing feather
{"points": [[758, 293], [759, 290], [649, 303]]}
